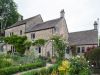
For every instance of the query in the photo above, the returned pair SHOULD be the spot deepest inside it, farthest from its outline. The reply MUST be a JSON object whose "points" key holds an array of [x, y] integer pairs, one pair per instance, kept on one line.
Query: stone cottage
{"points": [[84, 40], [35, 28]]}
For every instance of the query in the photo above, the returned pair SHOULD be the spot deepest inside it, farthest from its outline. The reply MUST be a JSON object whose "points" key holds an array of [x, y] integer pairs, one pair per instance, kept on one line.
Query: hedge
{"points": [[15, 69], [42, 71]]}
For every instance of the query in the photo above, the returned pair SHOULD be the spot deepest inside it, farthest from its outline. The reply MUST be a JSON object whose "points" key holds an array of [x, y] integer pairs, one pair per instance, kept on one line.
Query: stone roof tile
{"points": [[83, 37]]}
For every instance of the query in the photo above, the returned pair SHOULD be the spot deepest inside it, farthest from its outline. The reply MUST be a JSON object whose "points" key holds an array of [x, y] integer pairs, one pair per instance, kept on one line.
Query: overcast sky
{"points": [[79, 14]]}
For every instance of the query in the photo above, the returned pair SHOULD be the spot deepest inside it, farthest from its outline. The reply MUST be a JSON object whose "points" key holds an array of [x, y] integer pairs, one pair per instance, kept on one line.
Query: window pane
{"points": [[20, 32], [83, 49], [32, 35], [12, 33], [67, 50], [78, 50], [39, 49]]}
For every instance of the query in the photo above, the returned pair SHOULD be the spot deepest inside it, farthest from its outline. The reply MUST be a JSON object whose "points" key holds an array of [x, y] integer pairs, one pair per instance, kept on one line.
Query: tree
{"points": [[59, 45], [19, 42], [94, 56], [8, 13]]}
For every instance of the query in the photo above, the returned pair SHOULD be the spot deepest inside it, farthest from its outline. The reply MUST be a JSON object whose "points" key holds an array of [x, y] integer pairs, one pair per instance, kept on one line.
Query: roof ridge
{"points": [[28, 18], [23, 21], [43, 23], [32, 17], [52, 20], [82, 31], [48, 21]]}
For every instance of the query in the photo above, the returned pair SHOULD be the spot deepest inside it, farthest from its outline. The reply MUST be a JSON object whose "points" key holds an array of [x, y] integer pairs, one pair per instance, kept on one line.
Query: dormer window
{"points": [[20, 32], [32, 35]]}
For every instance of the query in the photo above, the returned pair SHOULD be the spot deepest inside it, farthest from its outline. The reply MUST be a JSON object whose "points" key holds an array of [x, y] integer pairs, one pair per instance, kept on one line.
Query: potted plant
{"points": [[53, 59]]}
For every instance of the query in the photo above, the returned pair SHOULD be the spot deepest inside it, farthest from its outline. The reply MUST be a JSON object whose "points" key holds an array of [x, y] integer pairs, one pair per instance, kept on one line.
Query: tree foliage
{"points": [[59, 45], [8, 13], [39, 42], [94, 56], [19, 42]]}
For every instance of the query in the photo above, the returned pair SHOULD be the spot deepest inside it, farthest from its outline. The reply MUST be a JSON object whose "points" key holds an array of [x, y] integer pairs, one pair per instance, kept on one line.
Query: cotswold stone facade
{"points": [[35, 28]]}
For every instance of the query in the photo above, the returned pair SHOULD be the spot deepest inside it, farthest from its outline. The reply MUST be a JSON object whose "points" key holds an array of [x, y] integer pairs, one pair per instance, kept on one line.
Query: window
{"points": [[12, 49], [78, 49], [20, 32], [32, 35], [83, 49], [67, 50], [54, 29], [11, 33], [1, 49], [39, 49]]}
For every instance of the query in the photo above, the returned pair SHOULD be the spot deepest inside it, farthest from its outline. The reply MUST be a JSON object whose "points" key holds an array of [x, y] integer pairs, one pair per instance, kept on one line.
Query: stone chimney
{"points": [[95, 25], [62, 13]]}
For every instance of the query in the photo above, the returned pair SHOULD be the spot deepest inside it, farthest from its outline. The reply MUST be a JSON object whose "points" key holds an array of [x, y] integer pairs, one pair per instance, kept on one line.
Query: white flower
{"points": [[88, 61], [78, 56], [92, 65]]}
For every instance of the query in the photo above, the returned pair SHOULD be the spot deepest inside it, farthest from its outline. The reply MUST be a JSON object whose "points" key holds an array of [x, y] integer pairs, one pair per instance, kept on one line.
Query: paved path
{"points": [[47, 65]]}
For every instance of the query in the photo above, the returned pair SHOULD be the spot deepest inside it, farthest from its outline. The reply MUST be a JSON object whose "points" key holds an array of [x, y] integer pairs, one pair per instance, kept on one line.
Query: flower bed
{"points": [[74, 66], [15, 69]]}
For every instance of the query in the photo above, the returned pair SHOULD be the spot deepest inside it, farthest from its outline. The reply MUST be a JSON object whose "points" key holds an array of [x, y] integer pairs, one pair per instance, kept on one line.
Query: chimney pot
{"points": [[62, 13], [95, 25]]}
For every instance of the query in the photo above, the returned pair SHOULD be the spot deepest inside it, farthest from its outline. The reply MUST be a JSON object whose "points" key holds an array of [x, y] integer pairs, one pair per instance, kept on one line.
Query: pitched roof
{"points": [[44, 25], [83, 37], [22, 22]]}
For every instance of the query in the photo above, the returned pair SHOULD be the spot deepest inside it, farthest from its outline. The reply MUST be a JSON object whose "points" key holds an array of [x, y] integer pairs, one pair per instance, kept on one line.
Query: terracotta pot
{"points": [[53, 60]]}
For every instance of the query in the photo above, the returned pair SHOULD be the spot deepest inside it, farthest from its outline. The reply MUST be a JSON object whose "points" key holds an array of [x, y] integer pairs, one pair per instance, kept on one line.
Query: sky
{"points": [[79, 14]]}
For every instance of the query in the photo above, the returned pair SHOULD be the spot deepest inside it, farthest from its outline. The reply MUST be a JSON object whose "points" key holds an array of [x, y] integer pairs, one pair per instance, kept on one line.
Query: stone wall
{"points": [[15, 30], [34, 21], [43, 34], [85, 46]]}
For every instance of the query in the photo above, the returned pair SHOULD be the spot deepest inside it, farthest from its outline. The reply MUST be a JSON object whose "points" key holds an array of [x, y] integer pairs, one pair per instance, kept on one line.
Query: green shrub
{"points": [[5, 61], [15, 69]]}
